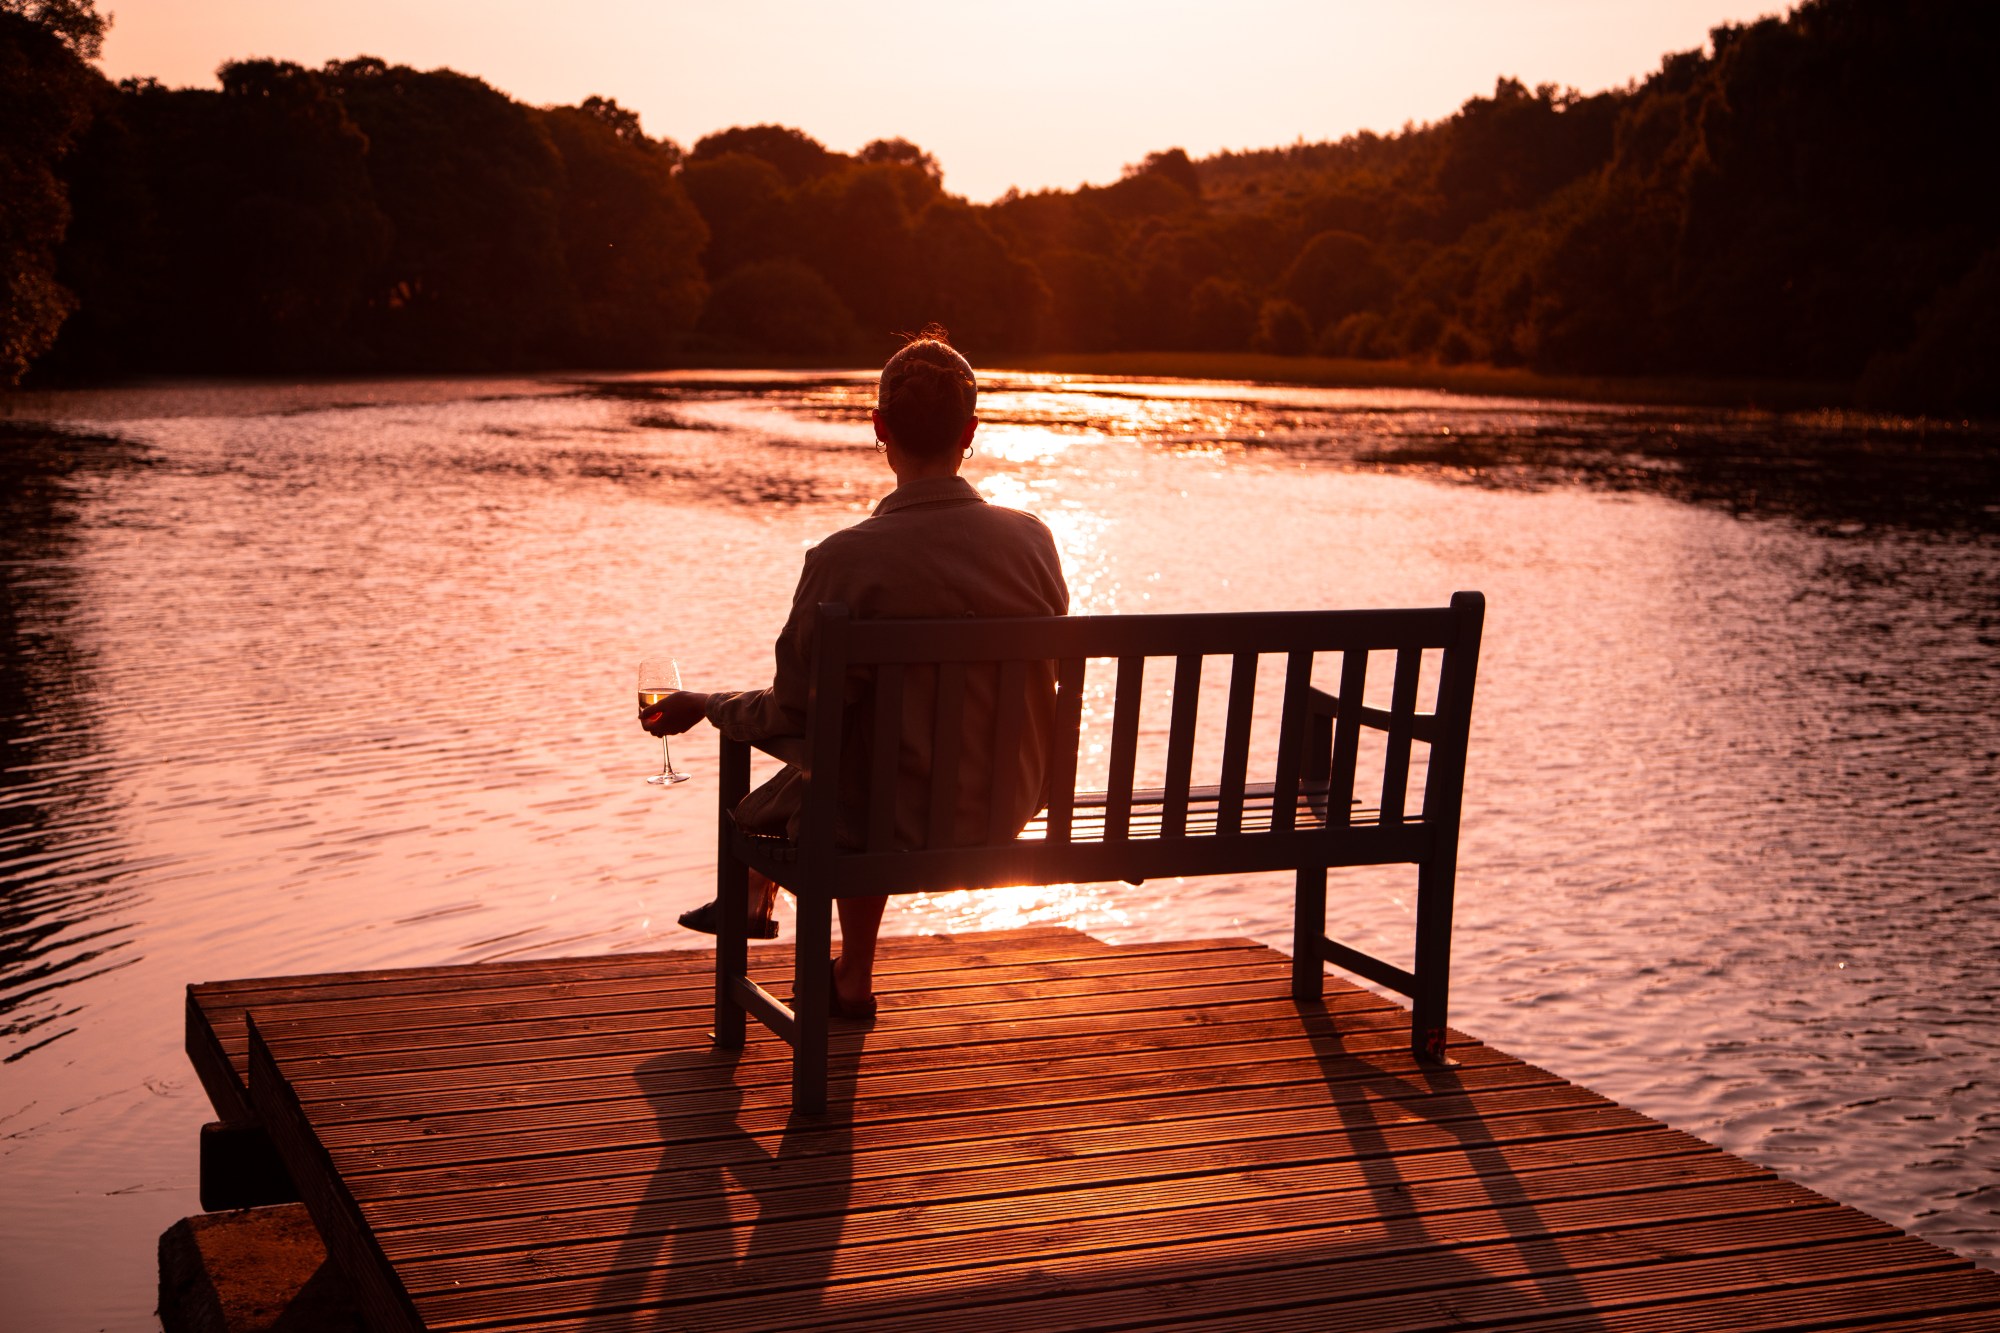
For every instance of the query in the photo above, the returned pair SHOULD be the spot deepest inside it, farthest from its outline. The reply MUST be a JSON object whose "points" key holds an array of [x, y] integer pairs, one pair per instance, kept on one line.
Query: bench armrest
{"points": [[1323, 707]]}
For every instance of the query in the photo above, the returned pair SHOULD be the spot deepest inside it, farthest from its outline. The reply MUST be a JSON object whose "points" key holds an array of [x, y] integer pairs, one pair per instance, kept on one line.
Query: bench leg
{"points": [[1435, 882], [812, 977], [732, 896], [732, 945], [1308, 929]]}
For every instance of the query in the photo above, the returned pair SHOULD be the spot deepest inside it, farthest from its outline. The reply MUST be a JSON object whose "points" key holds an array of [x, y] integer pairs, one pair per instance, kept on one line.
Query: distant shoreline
{"points": [[34, 400], [1470, 378]]}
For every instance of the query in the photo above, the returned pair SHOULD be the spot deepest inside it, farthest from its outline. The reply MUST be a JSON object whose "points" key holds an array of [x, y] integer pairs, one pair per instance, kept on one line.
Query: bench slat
{"points": [[1124, 746], [1031, 861], [826, 706], [1402, 704], [1054, 637], [1236, 739], [1180, 741], [1321, 708], [1346, 734], [1291, 737], [1203, 816], [946, 738], [1009, 721], [1069, 727], [887, 753]]}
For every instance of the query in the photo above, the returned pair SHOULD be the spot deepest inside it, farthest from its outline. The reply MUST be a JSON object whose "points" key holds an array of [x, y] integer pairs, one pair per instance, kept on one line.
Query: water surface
{"points": [[321, 677]]}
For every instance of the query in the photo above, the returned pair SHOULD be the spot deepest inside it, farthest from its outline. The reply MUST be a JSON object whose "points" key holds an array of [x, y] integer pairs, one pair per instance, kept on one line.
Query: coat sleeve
{"points": [[780, 709]]}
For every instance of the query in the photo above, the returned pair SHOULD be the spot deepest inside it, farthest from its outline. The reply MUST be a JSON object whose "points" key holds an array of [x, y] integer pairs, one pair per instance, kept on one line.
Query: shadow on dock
{"points": [[726, 1212], [1439, 1097]]}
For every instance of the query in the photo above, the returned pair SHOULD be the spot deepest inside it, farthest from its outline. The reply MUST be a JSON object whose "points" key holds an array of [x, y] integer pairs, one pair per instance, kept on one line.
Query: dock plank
{"points": [[1043, 1131]]}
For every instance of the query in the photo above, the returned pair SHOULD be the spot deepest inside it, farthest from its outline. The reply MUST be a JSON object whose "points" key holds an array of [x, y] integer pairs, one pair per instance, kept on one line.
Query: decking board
{"points": [[1043, 1131]]}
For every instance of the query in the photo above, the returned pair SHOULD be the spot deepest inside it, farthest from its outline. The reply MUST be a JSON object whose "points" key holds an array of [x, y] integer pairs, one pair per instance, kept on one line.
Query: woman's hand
{"points": [[674, 714]]}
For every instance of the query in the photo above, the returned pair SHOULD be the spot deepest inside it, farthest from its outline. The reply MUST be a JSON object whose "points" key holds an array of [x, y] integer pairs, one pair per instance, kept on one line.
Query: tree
{"points": [[74, 23], [223, 230], [1171, 166], [1088, 292], [1282, 329], [969, 281], [903, 153], [624, 125], [857, 228], [290, 232], [47, 96], [1514, 149], [631, 240], [796, 155], [1221, 314], [1948, 366], [777, 305], [476, 277], [746, 206], [1336, 274]]}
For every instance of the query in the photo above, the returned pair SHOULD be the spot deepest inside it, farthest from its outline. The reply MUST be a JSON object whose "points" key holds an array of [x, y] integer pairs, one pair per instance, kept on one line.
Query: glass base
{"points": [[666, 779]]}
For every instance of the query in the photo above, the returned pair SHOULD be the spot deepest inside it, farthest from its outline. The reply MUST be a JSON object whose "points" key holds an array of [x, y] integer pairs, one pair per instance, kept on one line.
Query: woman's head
{"points": [[927, 396]]}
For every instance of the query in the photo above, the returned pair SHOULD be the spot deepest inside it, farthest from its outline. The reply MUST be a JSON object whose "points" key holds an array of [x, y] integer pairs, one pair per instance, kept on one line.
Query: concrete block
{"points": [[253, 1270]]}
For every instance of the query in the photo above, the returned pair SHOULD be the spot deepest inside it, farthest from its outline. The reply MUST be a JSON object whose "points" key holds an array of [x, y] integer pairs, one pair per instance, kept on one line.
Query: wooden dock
{"points": [[1043, 1132]]}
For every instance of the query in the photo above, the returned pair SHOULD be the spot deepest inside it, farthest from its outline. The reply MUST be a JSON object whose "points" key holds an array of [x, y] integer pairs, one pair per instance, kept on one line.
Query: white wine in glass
{"points": [[658, 678]]}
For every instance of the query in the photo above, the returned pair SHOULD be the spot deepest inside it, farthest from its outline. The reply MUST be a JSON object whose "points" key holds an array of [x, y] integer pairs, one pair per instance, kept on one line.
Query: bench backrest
{"points": [[1298, 811]]}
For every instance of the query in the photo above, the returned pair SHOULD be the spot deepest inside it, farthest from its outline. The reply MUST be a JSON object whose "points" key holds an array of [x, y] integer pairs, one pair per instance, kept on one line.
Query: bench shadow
{"points": [[730, 1210], [1400, 1226]]}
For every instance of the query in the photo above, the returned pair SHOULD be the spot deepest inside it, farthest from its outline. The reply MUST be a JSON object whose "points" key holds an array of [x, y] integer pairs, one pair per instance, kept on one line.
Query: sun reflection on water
{"points": [[1084, 907], [1011, 443], [1078, 526]]}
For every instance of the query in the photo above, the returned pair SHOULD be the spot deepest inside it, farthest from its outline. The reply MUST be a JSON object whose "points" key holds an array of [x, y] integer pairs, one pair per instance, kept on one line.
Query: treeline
{"points": [[1809, 199], [364, 216]]}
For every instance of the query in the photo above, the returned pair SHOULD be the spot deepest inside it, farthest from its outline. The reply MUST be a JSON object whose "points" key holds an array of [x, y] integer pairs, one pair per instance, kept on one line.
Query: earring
{"points": [[968, 451], [881, 448]]}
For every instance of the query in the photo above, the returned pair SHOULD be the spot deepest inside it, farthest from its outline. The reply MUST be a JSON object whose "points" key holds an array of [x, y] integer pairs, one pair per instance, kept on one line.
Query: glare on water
{"points": [[311, 679]]}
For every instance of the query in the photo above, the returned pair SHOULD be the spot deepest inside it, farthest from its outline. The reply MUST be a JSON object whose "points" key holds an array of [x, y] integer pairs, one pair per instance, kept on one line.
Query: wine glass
{"points": [[658, 678]]}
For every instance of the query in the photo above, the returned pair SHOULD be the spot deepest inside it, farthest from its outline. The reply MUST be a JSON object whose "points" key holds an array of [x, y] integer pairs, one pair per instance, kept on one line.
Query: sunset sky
{"points": [[1030, 93]]}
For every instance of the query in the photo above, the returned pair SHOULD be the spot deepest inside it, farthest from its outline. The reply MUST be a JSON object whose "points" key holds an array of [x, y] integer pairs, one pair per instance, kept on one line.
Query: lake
{"points": [[332, 676]]}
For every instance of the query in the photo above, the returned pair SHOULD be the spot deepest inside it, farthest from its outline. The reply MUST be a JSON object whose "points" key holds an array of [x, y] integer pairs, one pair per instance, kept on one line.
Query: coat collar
{"points": [[933, 491]]}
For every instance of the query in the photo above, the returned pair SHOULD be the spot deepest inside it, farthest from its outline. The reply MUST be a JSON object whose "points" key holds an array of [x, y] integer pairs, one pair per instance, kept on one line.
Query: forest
{"points": [[1807, 198]]}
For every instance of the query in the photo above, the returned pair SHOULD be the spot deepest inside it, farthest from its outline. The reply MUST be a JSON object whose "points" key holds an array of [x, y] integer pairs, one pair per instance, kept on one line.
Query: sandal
{"points": [[707, 919], [839, 1008]]}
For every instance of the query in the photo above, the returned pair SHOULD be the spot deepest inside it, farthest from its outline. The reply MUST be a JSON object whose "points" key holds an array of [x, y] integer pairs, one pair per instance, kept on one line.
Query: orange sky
{"points": [[1028, 93]]}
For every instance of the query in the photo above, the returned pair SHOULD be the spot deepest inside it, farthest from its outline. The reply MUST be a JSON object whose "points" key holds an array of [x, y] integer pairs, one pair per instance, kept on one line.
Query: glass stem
{"points": [[666, 757]]}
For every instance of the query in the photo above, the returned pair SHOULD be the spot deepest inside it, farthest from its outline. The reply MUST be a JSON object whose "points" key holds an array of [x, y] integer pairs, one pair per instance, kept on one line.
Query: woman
{"points": [[933, 548]]}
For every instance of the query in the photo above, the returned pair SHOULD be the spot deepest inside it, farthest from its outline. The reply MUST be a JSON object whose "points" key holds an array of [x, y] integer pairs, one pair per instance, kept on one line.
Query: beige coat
{"points": [[932, 549]]}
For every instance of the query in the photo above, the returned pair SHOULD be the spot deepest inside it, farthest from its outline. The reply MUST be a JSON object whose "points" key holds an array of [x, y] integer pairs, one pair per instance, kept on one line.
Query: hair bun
{"points": [[927, 392]]}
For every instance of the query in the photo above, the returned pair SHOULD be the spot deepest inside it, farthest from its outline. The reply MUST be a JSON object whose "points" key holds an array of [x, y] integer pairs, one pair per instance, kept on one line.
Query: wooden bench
{"points": [[1304, 815]]}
